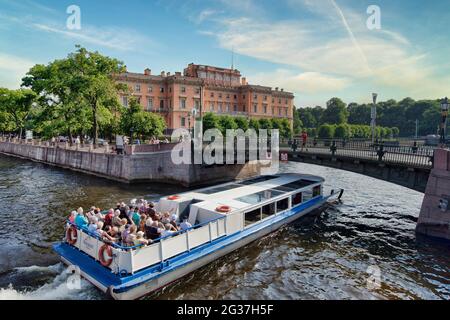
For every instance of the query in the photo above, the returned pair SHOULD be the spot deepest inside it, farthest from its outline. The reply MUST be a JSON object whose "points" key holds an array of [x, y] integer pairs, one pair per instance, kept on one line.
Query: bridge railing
{"points": [[417, 156]]}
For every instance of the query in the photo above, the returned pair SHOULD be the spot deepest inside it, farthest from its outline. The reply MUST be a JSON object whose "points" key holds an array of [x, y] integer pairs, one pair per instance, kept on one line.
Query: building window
{"points": [[137, 88], [235, 97], [138, 99], [273, 100], [279, 101], [212, 94], [220, 107], [212, 106], [255, 96], [273, 110], [197, 90], [161, 104], [228, 96], [265, 109], [182, 103], [243, 96], [286, 112], [228, 107], [265, 98], [149, 104], [161, 89], [255, 108], [235, 108], [279, 111], [183, 122], [286, 102], [150, 89], [183, 89], [125, 101], [197, 104], [220, 95]]}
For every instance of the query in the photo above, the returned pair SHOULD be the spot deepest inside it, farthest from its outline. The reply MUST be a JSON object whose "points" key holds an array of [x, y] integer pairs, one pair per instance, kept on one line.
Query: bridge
{"points": [[406, 165]]}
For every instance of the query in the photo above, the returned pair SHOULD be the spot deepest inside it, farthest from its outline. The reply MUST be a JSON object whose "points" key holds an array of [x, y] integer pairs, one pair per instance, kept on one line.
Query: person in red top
{"points": [[304, 140], [108, 218]]}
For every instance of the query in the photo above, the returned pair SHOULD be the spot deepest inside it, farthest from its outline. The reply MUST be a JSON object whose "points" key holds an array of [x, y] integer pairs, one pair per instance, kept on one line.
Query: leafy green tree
{"points": [[18, 105], [210, 121], [326, 131], [144, 124], [254, 124], [358, 113], [226, 122], [242, 123], [342, 131], [335, 113]]}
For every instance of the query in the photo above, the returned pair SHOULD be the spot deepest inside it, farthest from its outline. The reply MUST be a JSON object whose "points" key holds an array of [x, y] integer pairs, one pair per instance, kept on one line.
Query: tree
{"points": [[326, 131], [358, 113], [242, 123], [342, 131], [254, 124], [17, 104], [142, 123], [226, 122], [210, 121], [335, 113]]}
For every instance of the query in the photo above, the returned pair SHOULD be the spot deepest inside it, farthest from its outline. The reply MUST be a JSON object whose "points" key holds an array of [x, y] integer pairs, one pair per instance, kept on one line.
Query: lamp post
{"points": [[373, 115], [444, 109]]}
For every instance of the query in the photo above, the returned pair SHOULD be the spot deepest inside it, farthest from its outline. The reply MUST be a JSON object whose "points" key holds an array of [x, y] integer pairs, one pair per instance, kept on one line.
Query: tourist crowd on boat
{"points": [[137, 224]]}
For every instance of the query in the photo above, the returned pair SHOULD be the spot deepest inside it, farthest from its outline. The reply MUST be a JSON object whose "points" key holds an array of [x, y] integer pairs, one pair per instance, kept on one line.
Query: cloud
{"points": [[110, 37], [335, 50], [12, 69], [306, 82], [204, 15]]}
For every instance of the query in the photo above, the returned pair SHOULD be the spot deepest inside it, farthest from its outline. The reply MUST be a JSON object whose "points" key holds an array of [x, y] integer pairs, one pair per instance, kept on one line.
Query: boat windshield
{"points": [[259, 197]]}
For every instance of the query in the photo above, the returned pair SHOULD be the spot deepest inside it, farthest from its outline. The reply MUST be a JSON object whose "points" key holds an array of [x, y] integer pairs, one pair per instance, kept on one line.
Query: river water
{"points": [[364, 248]]}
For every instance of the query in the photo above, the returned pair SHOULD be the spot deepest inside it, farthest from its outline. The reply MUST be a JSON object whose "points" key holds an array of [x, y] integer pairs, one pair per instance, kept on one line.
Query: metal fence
{"points": [[413, 155]]}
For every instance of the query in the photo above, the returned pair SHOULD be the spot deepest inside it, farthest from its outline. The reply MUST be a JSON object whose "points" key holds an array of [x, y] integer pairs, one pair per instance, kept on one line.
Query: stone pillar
{"points": [[434, 218]]}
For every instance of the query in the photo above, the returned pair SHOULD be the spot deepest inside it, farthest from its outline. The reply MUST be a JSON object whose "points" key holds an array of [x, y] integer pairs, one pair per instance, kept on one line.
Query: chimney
{"points": [[147, 72], [276, 89], [168, 74], [282, 89], [163, 73]]}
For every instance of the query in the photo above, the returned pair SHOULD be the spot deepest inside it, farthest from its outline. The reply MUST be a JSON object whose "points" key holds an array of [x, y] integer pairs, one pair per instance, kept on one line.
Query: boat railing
{"points": [[129, 259]]}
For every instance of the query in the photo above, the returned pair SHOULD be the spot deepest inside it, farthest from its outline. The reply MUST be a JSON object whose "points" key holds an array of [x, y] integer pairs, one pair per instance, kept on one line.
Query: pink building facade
{"points": [[206, 89]]}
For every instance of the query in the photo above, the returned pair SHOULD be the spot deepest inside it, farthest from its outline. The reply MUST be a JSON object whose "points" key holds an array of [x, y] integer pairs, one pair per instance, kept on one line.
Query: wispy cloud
{"points": [[109, 37], [12, 69], [331, 52]]}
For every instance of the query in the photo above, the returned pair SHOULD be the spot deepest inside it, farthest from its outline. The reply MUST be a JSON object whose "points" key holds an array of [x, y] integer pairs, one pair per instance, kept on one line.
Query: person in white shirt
{"points": [[185, 225]]}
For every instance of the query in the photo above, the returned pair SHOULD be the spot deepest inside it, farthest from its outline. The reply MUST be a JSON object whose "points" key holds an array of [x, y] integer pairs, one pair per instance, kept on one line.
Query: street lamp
{"points": [[444, 109], [373, 115]]}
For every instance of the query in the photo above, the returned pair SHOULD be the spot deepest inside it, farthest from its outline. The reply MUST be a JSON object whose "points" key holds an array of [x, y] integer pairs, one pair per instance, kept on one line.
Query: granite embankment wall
{"points": [[144, 167]]}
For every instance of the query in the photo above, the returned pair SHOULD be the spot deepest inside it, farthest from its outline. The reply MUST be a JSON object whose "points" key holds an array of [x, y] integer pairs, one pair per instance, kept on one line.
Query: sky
{"points": [[317, 49]]}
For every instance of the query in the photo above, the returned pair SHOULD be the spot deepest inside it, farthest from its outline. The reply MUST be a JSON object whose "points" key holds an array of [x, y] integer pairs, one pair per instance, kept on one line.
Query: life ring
{"points": [[173, 198], [101, 255], [223, 209], [72, 235]]}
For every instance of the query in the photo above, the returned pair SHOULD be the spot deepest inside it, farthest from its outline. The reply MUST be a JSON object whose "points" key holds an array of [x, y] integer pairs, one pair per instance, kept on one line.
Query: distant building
{"points": [[217, 90]]}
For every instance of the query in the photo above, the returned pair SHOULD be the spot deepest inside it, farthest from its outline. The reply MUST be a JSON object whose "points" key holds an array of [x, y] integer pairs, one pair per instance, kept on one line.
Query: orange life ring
{"points": [[72, 235], [223, 209], [173, 198], [101, 255]]}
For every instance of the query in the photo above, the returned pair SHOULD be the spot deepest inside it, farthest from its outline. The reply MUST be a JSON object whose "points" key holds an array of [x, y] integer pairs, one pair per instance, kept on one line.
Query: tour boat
{"points": [[224, 218]]}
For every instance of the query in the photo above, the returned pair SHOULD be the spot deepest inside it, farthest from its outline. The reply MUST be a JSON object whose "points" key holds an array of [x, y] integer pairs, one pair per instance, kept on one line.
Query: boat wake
{"points": [[58, 287]]}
